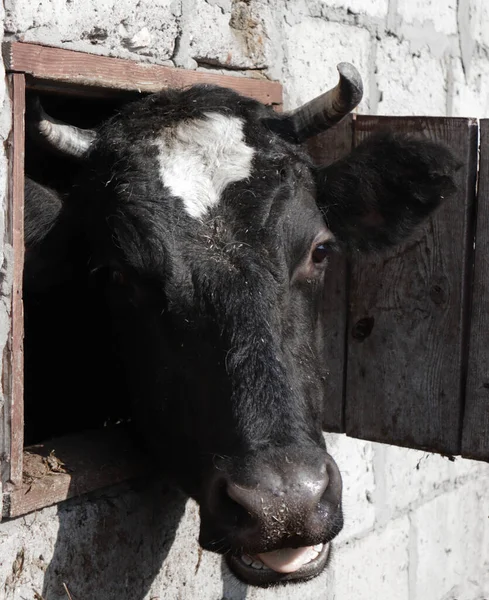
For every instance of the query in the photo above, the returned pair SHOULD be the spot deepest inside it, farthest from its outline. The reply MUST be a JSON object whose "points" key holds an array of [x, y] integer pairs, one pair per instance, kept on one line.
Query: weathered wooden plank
{"points": [[325, 149], [408, 308], [78, 68], [17, 333], [70, 466], [475, 438], [13, 375]]}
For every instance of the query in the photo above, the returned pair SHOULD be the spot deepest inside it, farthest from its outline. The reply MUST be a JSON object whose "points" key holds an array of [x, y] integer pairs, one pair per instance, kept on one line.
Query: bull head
{"points": [[214, 229]]}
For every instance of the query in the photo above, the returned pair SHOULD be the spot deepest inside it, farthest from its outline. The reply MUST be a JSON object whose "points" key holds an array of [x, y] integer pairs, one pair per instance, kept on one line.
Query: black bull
{"points": [[184, 270]]}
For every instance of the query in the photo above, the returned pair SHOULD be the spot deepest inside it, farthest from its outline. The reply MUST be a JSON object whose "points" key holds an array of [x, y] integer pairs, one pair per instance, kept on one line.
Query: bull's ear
{"points": [[42, 207], [49, 237], [379, 193]]}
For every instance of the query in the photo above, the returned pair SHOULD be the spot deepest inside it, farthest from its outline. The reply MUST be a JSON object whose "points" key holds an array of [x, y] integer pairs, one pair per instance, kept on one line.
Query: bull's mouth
{"points": [[280, 566]]}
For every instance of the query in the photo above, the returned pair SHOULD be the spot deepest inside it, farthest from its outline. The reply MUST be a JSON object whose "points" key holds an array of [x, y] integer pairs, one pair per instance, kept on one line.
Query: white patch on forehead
{"points": [[198, 158]]}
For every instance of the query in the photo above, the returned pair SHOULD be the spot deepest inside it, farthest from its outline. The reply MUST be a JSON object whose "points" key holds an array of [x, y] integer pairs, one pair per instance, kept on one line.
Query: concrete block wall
{"points": [[417, 525]]}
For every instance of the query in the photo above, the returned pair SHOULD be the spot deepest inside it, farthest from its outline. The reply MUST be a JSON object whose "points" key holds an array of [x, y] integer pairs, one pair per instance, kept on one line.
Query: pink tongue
{"points": [[287, 560]]}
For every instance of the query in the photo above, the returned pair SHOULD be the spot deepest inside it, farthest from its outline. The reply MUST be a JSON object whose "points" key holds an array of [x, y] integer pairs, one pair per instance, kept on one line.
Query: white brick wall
{"points": [[376, 566], [233, 38], [313, 47], [115, 27], [470, 94], [372, 8], [479, 19], [410, 83], [450, 544], [355, 459], [420, 475], [442, 13], [417, 525]]}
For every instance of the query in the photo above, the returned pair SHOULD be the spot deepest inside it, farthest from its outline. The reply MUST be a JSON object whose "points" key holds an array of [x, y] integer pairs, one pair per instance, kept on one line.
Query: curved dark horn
{"points": [[329, 108], [66, 139]]}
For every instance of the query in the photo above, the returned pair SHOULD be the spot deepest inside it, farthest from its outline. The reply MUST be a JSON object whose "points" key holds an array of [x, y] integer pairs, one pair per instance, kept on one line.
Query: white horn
{"points": [[324, 111], [66, 139]]}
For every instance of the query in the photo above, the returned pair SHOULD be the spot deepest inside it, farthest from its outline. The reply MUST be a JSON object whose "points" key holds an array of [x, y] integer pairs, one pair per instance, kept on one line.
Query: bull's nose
{"points": [[283, 504], [279, 493]]}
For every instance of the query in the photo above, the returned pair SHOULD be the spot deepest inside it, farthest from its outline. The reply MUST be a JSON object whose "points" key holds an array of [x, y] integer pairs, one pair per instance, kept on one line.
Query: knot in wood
{"points": [[363, 328], [438, 294]]}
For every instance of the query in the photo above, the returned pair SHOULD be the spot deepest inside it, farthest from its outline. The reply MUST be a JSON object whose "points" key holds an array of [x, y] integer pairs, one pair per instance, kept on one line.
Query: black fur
{"points": [[214, 328], [42, 207]]}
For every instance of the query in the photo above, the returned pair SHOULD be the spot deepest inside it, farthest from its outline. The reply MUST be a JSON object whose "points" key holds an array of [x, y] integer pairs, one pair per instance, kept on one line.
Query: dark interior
{"points": [[72, 377], [83, 111]]}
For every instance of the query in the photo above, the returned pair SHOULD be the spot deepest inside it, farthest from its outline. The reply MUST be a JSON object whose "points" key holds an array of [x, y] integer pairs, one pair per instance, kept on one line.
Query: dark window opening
{"points": [[72, 377]]}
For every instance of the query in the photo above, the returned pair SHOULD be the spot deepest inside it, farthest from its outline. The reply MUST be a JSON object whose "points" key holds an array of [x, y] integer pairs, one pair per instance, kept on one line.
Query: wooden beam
{"points": [[15, 214], [475, 439], [408, 311], [73, 465], [48, 64]]}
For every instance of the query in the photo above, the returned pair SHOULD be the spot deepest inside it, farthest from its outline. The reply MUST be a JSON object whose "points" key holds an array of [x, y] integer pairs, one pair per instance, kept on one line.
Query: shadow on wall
{"points": [[232, 589], [112, 546]]}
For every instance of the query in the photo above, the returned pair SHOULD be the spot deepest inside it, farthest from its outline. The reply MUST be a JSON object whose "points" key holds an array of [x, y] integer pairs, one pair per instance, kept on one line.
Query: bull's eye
{"points": [[320, 253], [118, 278]]}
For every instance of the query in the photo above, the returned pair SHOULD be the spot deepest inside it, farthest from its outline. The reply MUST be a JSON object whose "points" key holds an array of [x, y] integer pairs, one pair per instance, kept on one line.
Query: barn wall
{"points": [[417, 525]]}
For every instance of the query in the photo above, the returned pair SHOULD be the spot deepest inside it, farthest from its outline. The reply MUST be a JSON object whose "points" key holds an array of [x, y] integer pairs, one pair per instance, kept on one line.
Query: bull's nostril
{"points": [[226, 508]]}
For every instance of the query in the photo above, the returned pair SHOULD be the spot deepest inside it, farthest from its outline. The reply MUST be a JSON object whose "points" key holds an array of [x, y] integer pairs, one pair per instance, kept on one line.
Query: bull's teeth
{"points": [[257, 564], [246, 559], [318, 547]]}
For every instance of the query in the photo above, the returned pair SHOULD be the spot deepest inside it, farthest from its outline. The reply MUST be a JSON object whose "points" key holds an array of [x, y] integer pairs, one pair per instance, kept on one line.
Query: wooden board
{"points": [[70, 466], [475, 439], [408, 311], [17, 334], [325, 149], [48, 65], [13, 376]]}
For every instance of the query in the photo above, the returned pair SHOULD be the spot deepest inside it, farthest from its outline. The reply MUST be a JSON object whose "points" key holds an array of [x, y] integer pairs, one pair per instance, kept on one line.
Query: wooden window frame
{"points": [[48, 473]]}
